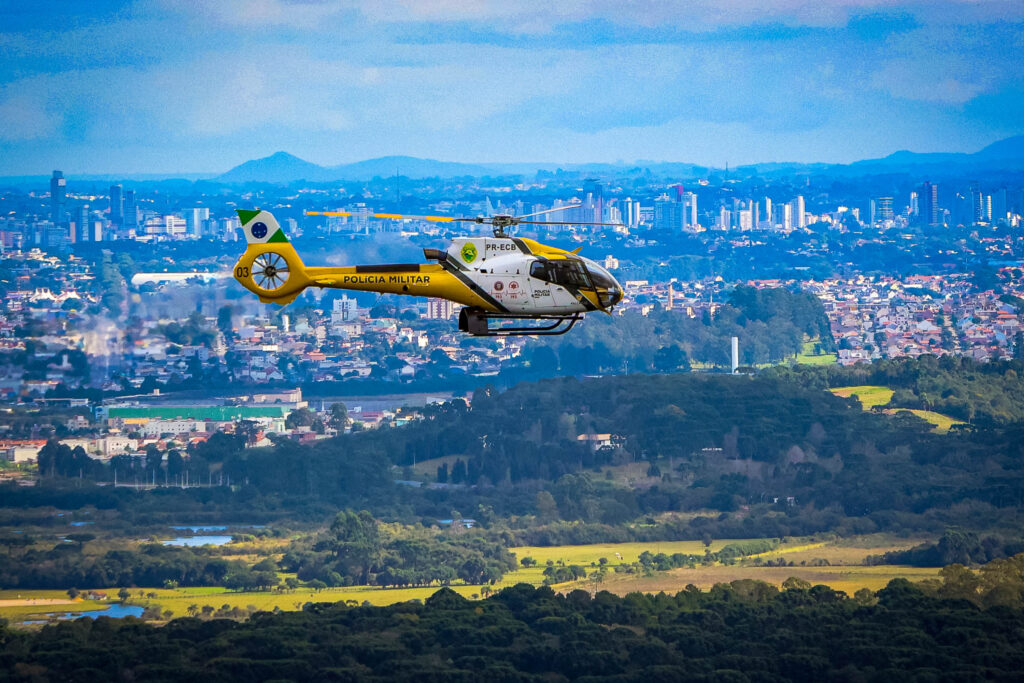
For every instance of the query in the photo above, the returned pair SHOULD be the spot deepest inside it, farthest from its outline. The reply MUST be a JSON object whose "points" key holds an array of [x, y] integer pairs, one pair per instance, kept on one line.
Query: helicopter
{"points": [[542, 290]]}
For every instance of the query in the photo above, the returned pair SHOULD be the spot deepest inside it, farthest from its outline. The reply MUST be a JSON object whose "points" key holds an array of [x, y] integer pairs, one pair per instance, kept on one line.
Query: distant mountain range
{"points": [[285, 168], [282, 167]]}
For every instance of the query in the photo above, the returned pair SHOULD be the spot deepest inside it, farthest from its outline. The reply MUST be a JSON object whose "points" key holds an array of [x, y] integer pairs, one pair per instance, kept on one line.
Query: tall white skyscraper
{"points": [[631, 210], [799, 217], [690, 211]]}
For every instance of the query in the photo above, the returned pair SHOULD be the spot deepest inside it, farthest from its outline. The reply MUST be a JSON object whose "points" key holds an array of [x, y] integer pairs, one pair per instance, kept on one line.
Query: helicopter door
{"points": [[542, 288]]}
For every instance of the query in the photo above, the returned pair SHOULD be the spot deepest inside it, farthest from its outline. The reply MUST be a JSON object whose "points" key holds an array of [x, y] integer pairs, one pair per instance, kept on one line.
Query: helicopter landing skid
{"points": [[475, 322]]}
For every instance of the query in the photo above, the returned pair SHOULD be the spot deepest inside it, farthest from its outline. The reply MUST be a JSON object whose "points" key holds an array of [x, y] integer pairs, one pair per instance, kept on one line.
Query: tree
{"points": [[357, 542], [73, 593], [300, 417], [544, 362], [154, 457], [80, 539], [338, 418], [547, 509], [124, 594], [796, 583], [671, 358], [175, 463]]}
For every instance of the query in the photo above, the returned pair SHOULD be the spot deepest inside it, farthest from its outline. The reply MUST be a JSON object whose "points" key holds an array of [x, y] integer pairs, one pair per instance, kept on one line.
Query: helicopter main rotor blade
{"points": [[567, 223], [391, 216], [559, 208], [515, 220]]}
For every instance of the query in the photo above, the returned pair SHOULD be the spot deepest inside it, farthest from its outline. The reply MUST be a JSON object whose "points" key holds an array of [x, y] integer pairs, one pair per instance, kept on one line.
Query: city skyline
{"points": [[158, 87]]}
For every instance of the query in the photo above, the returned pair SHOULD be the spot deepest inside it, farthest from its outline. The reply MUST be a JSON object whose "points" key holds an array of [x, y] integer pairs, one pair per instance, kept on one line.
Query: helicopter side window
{"points": [[539, 270], [567, 273]]}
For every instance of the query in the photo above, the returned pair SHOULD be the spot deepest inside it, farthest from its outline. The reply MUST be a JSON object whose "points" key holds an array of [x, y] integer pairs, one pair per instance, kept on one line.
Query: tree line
{"points": [[746, 630]]}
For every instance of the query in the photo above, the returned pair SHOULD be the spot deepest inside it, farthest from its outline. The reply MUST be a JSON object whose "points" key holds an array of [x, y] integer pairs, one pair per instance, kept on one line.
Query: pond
{"points": [[114, 611], [196, 541]]}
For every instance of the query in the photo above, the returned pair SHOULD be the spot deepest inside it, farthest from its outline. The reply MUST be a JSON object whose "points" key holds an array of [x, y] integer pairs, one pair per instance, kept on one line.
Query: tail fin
{"points": [[260, 226], [270, 266]]}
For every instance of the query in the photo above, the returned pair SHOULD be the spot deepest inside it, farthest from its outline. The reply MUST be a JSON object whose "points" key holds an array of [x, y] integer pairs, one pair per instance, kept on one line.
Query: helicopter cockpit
{"points": [[580, 273]]}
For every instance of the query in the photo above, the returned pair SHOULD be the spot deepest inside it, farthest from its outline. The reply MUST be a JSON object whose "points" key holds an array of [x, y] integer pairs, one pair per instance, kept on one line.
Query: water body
{"points": [[114, 612], [196, 541]]}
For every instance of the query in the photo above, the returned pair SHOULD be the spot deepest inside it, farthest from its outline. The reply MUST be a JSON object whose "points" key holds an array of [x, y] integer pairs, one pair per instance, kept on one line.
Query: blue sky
{"points": [[159, 86]]}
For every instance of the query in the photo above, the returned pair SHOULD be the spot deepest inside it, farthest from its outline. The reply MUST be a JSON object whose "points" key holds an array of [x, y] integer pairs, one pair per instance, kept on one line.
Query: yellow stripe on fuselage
{"points": [[430, 280]]}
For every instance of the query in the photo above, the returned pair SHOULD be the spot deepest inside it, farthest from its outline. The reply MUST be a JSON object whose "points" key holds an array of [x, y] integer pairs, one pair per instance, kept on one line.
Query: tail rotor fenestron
{"points": [[270, 271]]}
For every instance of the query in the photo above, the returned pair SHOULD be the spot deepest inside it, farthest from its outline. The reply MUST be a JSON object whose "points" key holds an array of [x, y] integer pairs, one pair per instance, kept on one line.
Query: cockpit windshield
{"points": [[601, 277], [580, 273]]}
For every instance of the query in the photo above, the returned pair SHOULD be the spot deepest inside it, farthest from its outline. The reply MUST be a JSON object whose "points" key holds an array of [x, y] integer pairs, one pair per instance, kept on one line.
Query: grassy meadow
{"points": [[807, 356], [845, 571], [872, 396]]}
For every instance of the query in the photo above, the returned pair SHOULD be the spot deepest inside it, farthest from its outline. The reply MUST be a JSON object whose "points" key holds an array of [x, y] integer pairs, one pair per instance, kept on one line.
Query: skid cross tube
{"points": [[475, 322]]}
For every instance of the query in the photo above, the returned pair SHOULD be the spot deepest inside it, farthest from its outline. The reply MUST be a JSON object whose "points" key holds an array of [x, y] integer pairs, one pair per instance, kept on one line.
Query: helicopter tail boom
{"points": [[272, 269]]}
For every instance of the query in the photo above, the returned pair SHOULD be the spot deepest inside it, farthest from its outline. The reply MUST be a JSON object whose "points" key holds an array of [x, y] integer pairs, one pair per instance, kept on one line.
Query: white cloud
{"points": [[26, 115]]}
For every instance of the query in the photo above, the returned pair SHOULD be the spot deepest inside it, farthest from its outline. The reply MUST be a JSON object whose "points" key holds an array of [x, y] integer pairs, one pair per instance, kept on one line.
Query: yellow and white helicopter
{"points": [[498, 278]]}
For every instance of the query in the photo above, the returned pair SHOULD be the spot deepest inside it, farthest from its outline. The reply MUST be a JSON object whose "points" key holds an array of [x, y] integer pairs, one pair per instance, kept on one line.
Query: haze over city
{"points": [[162, 87]]}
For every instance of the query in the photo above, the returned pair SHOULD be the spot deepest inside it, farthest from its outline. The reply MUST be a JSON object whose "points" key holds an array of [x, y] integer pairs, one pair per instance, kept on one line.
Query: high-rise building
{"points": [[999, 206], [690, 211], [799, 215], [928, 203], [631, 213], [439, 309], [767, 215], [782, 216], [593, 201], [724, 218], [131, 211], [194, 220], [668, 213], [81, 233], [880, 210], [977, 204], [58, 198], [116, 214], [344, 309]]}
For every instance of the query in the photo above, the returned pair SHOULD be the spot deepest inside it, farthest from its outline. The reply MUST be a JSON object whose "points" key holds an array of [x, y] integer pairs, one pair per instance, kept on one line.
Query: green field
{"points": [[869, 396], [942, 422], [872, 396], [845, 573], [588, 554], [808, 357]]}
